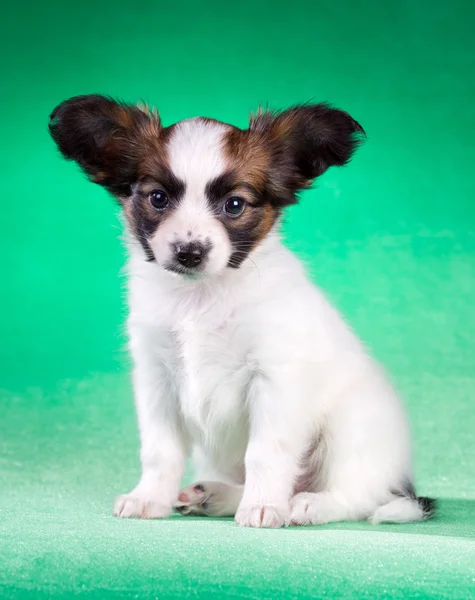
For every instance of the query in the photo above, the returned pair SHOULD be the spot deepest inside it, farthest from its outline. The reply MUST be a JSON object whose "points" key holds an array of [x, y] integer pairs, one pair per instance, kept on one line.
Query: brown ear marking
{"points": [[248, 157], [108, 139], [283, 152], [150, 111]]}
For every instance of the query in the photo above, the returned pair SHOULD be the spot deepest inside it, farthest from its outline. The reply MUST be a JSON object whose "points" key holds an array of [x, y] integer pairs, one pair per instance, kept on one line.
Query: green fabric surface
{"points": [[390, 239]]}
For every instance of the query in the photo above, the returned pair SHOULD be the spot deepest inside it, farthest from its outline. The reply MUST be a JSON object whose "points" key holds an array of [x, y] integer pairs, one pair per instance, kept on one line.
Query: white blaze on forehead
{"points": [[195, 155], [195, 152]]}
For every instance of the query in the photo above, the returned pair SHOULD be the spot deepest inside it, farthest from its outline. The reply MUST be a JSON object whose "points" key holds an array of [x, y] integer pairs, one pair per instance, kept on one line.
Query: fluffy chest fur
{"points": [[206, 337], [214, 370]]}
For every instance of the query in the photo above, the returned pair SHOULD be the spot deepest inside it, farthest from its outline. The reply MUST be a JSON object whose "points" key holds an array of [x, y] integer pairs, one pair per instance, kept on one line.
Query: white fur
{"points": [[401, 510], [249, 369]]}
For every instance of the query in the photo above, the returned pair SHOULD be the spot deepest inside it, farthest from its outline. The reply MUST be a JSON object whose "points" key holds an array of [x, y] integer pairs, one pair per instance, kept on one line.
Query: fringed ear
{"points": [[304, 141], [106, 138]]}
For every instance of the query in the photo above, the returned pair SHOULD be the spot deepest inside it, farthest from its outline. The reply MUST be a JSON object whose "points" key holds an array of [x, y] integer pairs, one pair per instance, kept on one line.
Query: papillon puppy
{"points": [[239, 360]]}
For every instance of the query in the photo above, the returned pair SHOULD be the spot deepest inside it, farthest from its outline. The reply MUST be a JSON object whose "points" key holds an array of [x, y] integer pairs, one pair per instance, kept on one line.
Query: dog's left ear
{"points": [[303, 142], [108, 139]]}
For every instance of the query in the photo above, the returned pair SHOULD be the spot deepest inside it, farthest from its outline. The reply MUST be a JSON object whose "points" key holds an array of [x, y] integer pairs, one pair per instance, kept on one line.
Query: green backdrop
{"points": [[390, 238]]}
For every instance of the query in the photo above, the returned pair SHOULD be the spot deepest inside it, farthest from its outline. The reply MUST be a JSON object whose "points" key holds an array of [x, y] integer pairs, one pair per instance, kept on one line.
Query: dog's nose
{"points": [[190, 255]]}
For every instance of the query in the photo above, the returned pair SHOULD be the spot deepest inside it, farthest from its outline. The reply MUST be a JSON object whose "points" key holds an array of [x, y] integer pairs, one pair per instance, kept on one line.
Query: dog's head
{"points": [[200, 195]]}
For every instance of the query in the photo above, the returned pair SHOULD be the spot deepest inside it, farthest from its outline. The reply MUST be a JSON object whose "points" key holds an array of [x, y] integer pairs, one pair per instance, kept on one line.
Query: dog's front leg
{"points": [[277, 433], [162, 445]]}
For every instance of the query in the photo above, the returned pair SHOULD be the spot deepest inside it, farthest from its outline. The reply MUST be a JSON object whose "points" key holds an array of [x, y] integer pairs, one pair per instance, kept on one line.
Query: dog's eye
{"points": [[234, 206], [158, 199]]}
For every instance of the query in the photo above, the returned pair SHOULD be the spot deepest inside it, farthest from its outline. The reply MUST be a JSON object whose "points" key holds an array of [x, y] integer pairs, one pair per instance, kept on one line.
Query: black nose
{"points": [[190, 255]]}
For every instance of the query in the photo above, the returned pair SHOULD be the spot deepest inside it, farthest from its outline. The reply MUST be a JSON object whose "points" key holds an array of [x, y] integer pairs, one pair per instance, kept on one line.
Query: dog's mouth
{"points": [[185, 272]]}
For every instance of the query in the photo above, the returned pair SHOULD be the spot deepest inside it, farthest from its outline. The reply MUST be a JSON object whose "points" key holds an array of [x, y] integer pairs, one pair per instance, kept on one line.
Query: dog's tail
{"points": [[405, 508]]}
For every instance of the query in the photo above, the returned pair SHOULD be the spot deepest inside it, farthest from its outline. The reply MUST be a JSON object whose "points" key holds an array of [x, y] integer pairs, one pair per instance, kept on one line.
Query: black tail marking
{"points": [[407, 490], [428, 506]]}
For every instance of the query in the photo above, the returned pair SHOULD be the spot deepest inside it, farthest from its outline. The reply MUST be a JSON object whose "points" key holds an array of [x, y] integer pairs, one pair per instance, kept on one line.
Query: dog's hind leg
{"points": [[209, 498]]}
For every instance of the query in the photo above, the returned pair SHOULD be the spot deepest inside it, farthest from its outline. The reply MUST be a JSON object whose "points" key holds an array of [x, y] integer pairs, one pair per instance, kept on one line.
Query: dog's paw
{"points": [[308, 509], [208, 498], [134, 506], [196, 499], [262, 516]]}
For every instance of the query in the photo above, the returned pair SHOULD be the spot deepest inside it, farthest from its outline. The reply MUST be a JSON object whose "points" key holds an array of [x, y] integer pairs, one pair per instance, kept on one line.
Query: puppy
{"points": [[238, 358]]}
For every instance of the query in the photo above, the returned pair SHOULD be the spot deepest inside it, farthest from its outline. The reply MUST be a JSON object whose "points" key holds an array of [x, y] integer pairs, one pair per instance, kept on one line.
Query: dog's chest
{"points": [[212, 377]]}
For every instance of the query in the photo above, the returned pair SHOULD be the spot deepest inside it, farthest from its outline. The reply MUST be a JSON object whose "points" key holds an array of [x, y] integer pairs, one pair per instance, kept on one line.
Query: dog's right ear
{"points": [[106, 138]]}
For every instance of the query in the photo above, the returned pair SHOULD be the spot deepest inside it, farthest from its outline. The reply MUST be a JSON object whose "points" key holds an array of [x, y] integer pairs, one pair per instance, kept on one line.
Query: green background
{"points": [[390, 238]]}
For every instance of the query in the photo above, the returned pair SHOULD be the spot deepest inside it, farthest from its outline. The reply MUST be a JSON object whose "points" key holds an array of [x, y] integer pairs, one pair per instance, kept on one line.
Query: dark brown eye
{"points": [[158, 199], [234, 206]]}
